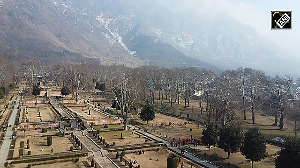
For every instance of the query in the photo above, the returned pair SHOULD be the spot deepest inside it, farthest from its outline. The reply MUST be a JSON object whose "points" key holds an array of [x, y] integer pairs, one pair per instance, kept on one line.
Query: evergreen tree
{"points": [[36, 90], [254, 146], [49, 140], [65, 91], [100, 86], [231, 137], [147, 113], [289, 156], [172, 161], [210, 135]]}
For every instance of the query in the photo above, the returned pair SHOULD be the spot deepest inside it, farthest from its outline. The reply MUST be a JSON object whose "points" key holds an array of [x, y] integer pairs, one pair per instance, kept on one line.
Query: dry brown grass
{"points": [[38, 141], [46, 114]]}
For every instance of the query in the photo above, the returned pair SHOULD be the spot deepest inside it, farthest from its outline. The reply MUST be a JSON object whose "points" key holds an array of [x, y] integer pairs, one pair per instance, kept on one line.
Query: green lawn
{"points": [[271, 132], [114, 134], [110, 127]]}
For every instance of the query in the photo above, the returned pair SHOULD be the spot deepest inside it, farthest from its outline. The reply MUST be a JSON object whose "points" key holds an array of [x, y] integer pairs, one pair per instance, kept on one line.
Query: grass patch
{"points": [[114, 134], [271, 132], [110, 127]]}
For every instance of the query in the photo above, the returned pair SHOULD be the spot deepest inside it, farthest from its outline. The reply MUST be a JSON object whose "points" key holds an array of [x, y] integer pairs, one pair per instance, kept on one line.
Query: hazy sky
{"points": [[255, 13]]}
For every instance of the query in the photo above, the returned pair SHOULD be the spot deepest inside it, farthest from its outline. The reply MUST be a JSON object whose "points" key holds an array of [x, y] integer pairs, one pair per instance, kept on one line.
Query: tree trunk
{"points": [[185, 102], [124, 117], [295, 128], [245, 117], [276, 119], [209, 116], [223, 119], [162, 98], [153, 97], [188, 102], [125, 124], [252, 163], [206, 109], [200, 104], [178, 99], [228, 155], [281, 120], [159, 95], [253, 115]]}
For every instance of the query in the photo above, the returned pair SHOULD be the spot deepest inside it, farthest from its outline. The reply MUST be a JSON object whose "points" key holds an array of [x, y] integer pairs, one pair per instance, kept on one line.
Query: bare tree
{"points": [[125, 97]]}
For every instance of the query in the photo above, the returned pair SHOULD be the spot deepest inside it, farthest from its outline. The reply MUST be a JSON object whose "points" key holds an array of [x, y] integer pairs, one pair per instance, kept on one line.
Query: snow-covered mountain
{"points": [[133, 33], [219, 40]]}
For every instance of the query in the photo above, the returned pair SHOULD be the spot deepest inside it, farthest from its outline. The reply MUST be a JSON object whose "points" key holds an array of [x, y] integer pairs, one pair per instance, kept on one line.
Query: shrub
{"points": [[44, 130], [92, 163], [71, 148], [105, 126], [29, 153], [117, 155], [123, 153], [22, 144], [21, 152], [172, 161], [49, 140], [76, 160], [114, 144]]}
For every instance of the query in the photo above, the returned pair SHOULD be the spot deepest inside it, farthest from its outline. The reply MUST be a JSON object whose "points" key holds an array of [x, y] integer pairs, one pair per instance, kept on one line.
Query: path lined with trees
{"points": [[9, 132]]}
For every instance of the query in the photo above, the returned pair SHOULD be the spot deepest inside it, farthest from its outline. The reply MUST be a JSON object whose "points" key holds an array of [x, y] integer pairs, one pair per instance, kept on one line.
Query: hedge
{"points": [[49, 158]]}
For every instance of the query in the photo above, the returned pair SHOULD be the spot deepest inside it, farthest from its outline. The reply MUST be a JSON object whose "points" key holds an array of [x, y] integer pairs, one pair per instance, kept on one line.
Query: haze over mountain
{"points": [[133, 33]]}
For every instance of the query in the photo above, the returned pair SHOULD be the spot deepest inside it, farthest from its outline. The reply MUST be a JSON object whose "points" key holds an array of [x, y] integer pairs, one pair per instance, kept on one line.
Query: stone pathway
{"points": [[99, 155], [8, 134]]}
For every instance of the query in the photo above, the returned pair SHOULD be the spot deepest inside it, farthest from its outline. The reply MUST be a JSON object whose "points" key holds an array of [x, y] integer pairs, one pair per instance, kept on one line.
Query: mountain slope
{"points": [[219, 40], [49, 28], [79, 31], [132, 33]]}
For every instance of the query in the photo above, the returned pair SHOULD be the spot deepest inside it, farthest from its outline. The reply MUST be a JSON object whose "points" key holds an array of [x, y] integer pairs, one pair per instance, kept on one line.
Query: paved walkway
{"points": [[190, 156], [104, 112], [99, 155], [8, 134]]}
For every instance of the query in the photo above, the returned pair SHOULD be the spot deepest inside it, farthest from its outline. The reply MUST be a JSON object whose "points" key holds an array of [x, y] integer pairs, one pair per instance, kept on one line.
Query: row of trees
{"points": [[223, 96], [7, 70], [232, 139], [252, 144]]}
